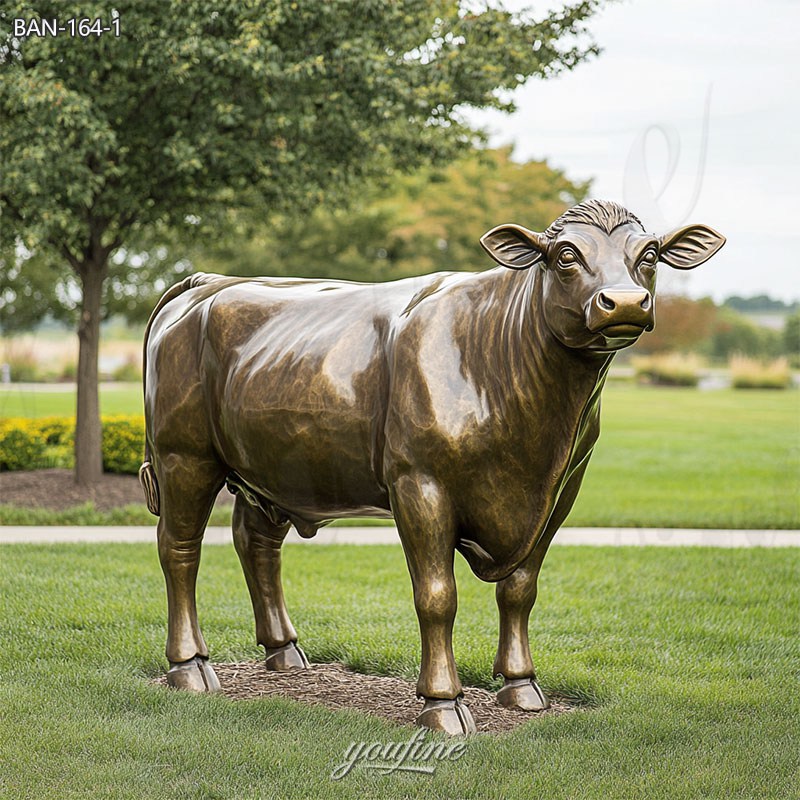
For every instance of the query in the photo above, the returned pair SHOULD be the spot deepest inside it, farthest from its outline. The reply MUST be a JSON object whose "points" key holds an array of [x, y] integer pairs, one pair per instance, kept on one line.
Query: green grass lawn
{"points": [[122, 398], [665, 458], [687, 661], [685, 458]]}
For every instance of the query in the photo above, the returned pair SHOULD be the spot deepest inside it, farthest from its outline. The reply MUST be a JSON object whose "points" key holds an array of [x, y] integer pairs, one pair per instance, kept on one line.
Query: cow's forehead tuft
{"points": [[603, 214]]}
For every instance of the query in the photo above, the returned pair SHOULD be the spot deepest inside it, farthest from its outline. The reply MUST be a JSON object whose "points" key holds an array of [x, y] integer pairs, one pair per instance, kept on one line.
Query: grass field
{"points": [[685, 458], [122, 398], [687, 662], [665, 458]]}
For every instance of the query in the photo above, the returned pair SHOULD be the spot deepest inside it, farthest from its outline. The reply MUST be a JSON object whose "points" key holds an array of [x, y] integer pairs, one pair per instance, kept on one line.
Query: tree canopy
{"points": [[428, 220], [197, 108], [279, 105]]}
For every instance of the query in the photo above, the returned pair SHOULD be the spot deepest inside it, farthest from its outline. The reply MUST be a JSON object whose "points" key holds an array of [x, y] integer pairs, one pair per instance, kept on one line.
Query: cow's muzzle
{"points": [[620, 312]]}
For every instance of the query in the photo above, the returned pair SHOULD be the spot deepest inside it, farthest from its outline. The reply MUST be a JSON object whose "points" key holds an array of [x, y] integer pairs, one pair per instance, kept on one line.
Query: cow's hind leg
{"points": [[258, 541], [427, 530], [188, 487], [515, 598]]}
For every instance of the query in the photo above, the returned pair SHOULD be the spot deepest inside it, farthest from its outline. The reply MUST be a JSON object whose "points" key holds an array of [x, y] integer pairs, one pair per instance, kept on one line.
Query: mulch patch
{"points": [[337, 687], [56, 490]]}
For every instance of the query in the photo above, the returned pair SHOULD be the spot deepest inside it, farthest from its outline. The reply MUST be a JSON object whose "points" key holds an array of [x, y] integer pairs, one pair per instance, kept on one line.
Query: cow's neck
{"points": [[551, 403], [543, 371]]}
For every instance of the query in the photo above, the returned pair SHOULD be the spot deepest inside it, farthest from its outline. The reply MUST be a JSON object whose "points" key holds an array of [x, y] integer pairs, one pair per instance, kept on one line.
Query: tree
{"points": [[682, 325], [791, 337], [734, 334], [428, 220], [700, 326], [191, 111]]}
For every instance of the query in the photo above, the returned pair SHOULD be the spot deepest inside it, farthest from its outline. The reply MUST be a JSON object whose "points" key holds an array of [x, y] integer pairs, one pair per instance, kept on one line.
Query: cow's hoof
{"points": [[522, 694], [194, 675], [283, 659], [448, 716]]}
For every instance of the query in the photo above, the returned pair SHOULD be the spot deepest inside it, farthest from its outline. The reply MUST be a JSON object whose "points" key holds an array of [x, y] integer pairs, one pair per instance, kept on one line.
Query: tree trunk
{"points": [[88, 431]]}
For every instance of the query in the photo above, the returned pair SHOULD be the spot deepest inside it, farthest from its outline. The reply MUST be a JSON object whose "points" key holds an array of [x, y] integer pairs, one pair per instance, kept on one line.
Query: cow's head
{"points": [[599, 270]]}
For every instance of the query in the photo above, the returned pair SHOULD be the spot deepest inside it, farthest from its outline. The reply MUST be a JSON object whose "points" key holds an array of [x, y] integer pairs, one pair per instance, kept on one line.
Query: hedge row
{"points": [[50, 442]]}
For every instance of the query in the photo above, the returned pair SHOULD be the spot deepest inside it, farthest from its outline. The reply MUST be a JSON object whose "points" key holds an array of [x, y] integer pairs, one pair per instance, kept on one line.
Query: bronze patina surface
{"points": [[465, 405]]}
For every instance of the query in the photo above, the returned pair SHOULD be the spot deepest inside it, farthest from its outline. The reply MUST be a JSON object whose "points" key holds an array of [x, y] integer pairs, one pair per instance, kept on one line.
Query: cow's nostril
{"points": [[645, 304], [604, 301]]}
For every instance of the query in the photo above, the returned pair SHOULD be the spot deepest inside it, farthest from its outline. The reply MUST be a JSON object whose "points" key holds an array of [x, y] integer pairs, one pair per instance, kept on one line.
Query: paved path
{"points": [[665, 537]]}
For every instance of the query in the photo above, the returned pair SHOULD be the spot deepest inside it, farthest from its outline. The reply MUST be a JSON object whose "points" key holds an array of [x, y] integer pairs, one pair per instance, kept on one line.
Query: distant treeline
{"points": [[760, 303], [719, 332]]}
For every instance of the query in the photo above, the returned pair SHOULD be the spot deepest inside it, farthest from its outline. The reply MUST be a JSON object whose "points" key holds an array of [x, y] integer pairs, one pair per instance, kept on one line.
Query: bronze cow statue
{"points": [[465, 405]]}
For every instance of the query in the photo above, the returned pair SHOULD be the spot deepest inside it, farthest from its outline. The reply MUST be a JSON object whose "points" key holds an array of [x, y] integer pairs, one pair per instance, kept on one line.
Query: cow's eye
{"points": [[567, 258], [649, 258]]}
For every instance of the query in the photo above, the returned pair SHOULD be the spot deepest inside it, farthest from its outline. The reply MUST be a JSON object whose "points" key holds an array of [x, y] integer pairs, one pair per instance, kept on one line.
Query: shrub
{"points": [[58, 434], [129, 371], [50, 441], [23, 366], [21, 444], [673, 369], [54, 430], [69, 372], [123, 443], [749, 373]]}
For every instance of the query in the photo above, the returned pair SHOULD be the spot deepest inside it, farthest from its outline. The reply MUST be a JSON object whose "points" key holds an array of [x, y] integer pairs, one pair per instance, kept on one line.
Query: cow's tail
{"points": [[147, 477], [147, 473]]}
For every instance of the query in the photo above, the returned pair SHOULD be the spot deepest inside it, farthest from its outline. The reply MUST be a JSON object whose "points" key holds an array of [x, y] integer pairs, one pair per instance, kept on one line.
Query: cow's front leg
{"points": [[515, 598], [258, 542], [425, 522]]}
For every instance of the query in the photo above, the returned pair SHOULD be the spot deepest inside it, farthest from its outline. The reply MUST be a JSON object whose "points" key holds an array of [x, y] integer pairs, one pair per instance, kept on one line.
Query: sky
{"points": [[690, 114]]}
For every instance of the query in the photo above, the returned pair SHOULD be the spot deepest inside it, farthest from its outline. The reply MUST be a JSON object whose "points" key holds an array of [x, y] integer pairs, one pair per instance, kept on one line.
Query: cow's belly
{"points": [[316, 464], [298, 406]]}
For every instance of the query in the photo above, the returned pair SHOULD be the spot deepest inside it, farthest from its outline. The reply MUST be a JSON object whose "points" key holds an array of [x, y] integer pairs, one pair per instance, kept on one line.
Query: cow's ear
{"points": [[689, 247], [514, 246]]}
